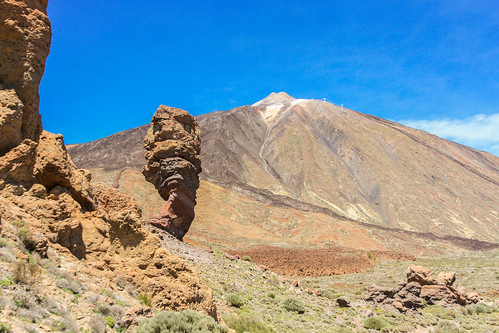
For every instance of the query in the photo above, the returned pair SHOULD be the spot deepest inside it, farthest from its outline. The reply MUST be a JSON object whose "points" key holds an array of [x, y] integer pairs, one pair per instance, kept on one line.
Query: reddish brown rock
{"points": [[438, 294], [421, 275], [446, 278], [297, 284], [422, 285], [173, 165], [65, 215]]}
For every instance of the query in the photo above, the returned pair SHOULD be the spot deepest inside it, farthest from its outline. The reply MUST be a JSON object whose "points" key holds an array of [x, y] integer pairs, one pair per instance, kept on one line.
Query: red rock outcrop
{"points": [[64, 212], [422, 285], [173, 165]]}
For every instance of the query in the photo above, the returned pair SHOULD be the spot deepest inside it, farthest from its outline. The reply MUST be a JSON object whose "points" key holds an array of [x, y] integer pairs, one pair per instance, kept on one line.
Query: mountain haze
{"points": [[313, 156]]}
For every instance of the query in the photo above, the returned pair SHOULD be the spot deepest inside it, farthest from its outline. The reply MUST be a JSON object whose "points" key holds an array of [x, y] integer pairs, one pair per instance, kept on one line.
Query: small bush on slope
{"points": [[185, 321], [234, 300], [375, 323], [292, 304], [246, 323]]}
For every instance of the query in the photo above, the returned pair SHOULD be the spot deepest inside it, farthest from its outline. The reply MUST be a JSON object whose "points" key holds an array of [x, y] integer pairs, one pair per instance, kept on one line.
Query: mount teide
{"points": [[294, 171]]}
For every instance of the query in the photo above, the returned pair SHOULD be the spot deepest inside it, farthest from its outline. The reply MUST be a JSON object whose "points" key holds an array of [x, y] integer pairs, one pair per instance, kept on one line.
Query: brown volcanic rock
{"points": [[25, 44], [62, 211], [173, 165], [421, 284]]}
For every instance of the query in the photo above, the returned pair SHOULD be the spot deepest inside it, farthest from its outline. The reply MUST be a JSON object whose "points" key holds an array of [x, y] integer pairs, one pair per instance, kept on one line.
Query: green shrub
{"points": [[110, 321], [145, 299], [375, 323], [247, 258], [184, 321], [6, 282], [234, 300], [246, 323], [447, 326], [292, 304], [483, 308], [4, 328]]}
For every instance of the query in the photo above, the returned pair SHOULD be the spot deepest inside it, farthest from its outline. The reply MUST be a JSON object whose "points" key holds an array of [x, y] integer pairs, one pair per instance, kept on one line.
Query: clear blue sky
{"points": [[425, 63]]}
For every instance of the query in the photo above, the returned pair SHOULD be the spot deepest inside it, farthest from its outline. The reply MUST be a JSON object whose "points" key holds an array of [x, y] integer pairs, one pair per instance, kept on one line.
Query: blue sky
{"points": [[430, 64]]}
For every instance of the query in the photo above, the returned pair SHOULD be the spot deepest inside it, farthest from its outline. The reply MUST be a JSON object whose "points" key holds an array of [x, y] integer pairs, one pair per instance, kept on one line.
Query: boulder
{"points": [[446, 278], [438, 294], [379, 294], [173, 165], [421, 275], [343, 302]]}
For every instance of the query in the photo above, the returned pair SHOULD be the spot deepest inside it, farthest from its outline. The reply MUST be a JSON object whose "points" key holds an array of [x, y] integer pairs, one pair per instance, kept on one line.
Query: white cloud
{"points": [[479, 131]]}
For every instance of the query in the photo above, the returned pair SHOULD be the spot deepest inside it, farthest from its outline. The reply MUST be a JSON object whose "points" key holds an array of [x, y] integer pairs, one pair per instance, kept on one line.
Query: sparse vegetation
{"points": [[234, 300], [375, 323], [246, 323], [246, 258], [183, 321], [294, 305], [145, 299]]}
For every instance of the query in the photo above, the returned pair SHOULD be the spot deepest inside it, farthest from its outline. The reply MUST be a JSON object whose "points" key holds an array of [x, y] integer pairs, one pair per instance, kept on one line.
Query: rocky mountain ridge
{"points": [[313, 156]]}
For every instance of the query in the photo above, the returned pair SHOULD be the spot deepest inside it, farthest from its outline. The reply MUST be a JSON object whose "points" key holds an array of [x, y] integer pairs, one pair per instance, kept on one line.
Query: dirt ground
{"points": [[316, 262]]}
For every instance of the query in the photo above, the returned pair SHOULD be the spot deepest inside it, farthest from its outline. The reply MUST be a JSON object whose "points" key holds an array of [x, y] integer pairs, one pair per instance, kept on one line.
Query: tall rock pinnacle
{"points": [[173, 149]]}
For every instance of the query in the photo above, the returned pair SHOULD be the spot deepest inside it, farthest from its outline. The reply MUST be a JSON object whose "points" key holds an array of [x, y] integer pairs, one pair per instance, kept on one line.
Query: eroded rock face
{"points": [[422, 285], [25, 44], [173, 165], [63, 212]]}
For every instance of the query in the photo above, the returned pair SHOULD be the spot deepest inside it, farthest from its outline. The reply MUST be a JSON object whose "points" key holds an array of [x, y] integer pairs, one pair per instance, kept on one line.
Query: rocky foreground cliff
{"points": [[49, 207]]}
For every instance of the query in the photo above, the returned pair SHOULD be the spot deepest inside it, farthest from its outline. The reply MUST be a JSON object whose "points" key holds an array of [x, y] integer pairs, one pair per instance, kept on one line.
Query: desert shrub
{"points": [[52, 305], [93, 298], [121, 282], [68, 324], [26, 273], [116, 311], [145, 299], [97, 324], [234, 300], [482, 308], [247, 258], [5, 282], [344, 330], [184, 321], [271, 295], [24, 299], [110, 321], [4, 301], [294, 305], [3, 242], [440, 311], [6, 255], [375, 323], [69, 282], [33, 315], [4, 328], [447, 326], [103, 308], [246, 323]]}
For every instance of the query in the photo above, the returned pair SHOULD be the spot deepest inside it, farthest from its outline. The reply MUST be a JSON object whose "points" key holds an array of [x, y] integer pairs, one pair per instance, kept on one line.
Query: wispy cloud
{"points": [[479, 131]]}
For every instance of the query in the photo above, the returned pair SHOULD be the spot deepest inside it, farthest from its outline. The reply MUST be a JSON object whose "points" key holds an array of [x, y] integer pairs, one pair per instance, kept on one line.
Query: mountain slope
{"points": [[359, 166], [314, 156]]}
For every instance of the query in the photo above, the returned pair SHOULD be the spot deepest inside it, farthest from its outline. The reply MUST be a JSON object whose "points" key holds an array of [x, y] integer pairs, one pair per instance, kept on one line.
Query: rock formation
{"points": [[24, 44], [66, 216], [173, 165], [422, 286]]}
